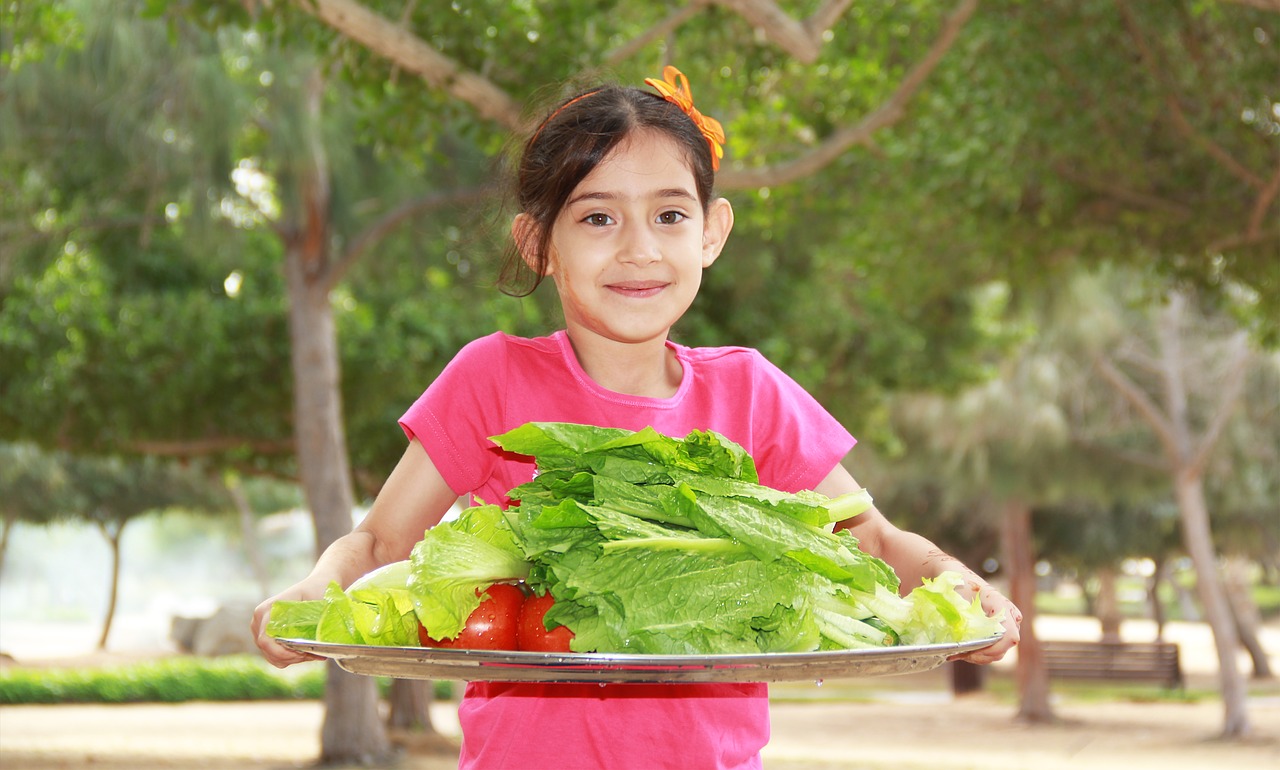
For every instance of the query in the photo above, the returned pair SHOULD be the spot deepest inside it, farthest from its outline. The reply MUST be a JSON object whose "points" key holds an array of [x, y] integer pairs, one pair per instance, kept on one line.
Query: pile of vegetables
{"points": [[641, 543]]}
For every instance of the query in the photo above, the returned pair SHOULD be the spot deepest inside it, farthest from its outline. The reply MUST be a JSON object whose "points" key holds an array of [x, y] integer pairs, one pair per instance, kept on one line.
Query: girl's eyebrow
{"points": [[603, 195]]}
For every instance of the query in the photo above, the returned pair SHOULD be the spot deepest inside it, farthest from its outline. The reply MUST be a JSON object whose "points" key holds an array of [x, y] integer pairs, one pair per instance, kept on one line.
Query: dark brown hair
{"points": [[576, 136]]}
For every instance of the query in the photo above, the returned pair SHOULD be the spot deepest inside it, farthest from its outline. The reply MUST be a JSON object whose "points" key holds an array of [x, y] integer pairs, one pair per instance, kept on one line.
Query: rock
{"points": [[182, 631], [225, 632]]}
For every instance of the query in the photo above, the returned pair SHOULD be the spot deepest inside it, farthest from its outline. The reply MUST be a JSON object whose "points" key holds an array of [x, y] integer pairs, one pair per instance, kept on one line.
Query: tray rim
{"points": [[529, 666]]}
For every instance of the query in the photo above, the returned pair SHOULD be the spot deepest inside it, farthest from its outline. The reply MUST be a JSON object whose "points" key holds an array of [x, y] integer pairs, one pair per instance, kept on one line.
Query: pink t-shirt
{"points": [[501, 382]]}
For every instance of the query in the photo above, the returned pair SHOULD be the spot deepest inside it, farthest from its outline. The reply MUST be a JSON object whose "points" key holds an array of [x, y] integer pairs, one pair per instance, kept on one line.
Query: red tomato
{"points": [[532, 633], [492, 626]]}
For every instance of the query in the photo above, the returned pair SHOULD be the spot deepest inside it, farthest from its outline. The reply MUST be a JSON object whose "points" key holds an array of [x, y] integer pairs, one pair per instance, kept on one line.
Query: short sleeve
{"points": [[457, 413], [798, 442]]}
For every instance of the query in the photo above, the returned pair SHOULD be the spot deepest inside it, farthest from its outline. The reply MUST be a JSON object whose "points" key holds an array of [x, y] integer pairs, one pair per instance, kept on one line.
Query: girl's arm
{"points": [[914, 557], [414, 498]]}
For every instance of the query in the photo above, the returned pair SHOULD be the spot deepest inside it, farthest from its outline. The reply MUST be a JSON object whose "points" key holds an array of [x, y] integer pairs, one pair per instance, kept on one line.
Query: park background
{"points": [[1027, 251]]}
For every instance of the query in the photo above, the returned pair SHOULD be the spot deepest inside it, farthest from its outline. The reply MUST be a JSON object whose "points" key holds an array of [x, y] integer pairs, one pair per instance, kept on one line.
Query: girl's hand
{"points": [[414, 498], [992, 602], [277, 654]]}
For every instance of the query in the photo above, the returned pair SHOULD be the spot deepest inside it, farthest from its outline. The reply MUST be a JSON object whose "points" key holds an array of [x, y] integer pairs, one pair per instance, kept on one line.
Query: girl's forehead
{"points": [[643, 156], [644, 140]]}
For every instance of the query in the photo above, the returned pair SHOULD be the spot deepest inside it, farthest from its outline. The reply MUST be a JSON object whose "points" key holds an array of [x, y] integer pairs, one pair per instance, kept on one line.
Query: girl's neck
{"points": [[648, 369]]}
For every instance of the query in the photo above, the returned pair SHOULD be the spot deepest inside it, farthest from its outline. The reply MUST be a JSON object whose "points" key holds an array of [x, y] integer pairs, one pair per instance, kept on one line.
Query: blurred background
{"points": [[1028, 253]]}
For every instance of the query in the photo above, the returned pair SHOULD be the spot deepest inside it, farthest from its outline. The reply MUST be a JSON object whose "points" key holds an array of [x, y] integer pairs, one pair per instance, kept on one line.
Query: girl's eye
{"points": [[598, 220], [671, 217]]}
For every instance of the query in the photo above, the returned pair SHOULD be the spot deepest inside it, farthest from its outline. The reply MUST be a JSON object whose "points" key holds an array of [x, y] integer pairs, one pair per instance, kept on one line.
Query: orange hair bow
{"points": [[674, 87]]}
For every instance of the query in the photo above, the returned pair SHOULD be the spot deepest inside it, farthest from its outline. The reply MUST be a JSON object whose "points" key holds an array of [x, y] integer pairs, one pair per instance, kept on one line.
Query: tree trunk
{"points": [[1088, 593], [113, 540], [1153, 597], [410, 706], [352, 731], [249, 534], [966, 677], [1019, 557], [10, 519], [1198, 541], [1246, 615], [1187, 607], [1107, 607]]}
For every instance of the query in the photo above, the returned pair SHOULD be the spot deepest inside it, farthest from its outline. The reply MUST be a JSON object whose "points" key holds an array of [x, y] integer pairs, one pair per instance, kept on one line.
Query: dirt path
{"points": [[905, 732]]}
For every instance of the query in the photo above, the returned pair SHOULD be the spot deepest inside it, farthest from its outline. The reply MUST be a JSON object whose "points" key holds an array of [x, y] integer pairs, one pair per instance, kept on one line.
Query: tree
{"points": [[1242, 488], [1183, 380], [1141, 133], [36, 490], [1168, 97], [1094, 538], [997, 449], [171, 285], [110, 492]]}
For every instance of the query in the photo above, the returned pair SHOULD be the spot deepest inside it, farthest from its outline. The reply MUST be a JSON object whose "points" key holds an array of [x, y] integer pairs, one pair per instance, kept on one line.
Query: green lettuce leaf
{"points": [[295, 620], [455, 561], [940, 615]]}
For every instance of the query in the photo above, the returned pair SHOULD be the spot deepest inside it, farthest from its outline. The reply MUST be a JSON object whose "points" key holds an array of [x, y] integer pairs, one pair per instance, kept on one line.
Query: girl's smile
{"points": [[638, 289]]}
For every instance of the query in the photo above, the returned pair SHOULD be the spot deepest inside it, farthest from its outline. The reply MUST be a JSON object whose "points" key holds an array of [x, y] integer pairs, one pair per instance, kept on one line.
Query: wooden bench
{"points": [[1118, 661]]}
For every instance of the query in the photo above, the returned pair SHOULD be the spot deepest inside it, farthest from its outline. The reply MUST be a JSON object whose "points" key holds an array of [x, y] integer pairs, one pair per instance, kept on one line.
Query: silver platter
{"points": [[513, 666]]}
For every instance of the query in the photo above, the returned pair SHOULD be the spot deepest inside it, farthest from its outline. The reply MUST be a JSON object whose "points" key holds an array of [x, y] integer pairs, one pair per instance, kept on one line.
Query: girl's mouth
{"points": [[637, 289]]}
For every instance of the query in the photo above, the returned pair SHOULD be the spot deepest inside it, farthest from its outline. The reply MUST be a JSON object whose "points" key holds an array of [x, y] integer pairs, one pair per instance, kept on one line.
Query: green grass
{"points": [[169, 680], [1267, 599]]}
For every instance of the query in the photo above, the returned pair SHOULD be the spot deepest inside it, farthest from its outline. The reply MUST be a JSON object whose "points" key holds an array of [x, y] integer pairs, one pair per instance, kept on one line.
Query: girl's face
{"points": [[628, 249]]}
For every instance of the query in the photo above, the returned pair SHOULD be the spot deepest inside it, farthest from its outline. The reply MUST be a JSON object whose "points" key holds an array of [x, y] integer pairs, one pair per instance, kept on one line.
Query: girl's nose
{"points": [[640, 246]]}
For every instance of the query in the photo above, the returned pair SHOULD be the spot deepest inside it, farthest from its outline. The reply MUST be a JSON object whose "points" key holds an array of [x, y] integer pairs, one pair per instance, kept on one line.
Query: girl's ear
{"points": [[716, 230], [525, 232]]}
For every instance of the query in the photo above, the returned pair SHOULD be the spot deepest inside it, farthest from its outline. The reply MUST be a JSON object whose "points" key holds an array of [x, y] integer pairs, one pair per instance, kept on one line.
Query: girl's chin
{"points": [[637, 334]]}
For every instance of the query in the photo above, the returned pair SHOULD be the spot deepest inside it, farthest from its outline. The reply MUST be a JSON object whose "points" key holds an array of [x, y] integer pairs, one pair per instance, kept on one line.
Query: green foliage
{"points": [[1267, 599], [86, 336], [36, 487], [110, 491], [168, 680], [1045, 136], [150, 264]]}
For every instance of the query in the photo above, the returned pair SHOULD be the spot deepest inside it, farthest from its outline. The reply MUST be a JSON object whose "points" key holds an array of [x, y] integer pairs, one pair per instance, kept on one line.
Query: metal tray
{"points": [[512, 666]]}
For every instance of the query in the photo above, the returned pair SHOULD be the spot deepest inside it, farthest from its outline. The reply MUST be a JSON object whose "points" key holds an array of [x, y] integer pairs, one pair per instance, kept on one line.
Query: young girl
{"points": [[617, 208]]}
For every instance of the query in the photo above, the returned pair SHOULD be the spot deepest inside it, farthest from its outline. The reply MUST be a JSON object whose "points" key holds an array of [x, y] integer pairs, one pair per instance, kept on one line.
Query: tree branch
{"points": [[825, 17], [1261, 5], [888, 113], [400, 46], [1179, 118], [1141, 459], [1242, 240], [392, 219], [406, 14], [1142, 359], [801, 39], [1140, 401], [1264, 201], [1111, 189], [1229, 395], [663, 28]]}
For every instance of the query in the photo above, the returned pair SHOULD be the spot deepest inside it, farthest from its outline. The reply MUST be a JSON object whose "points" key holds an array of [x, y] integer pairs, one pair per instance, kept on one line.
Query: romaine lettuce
{"points": [[651, 545]]}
